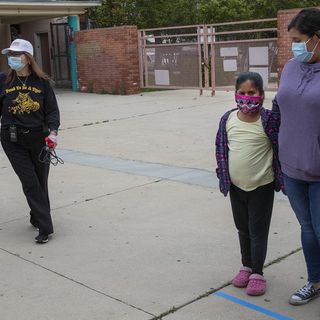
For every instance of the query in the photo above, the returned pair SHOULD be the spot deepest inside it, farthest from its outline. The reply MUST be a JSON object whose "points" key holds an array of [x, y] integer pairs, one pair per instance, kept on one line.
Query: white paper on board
{"points": [[210, 36], [162, 77], [264, 72], [230, 65], [258, 56], [201, 37], [229, 52]]}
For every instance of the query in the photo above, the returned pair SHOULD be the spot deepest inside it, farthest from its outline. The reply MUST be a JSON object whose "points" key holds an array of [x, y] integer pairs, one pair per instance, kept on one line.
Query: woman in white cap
{"points": [[29, 122]]}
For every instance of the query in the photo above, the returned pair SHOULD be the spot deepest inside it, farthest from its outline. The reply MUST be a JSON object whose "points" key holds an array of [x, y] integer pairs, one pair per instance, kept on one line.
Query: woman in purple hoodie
{"points": [[298, 101]]}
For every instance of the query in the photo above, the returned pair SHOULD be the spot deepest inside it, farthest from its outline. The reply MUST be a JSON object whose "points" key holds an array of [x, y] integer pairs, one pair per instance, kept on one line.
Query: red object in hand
{"points": [[49, 143]]}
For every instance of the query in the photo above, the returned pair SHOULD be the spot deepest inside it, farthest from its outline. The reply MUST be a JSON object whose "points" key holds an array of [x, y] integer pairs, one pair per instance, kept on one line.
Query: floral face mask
{"points": [[248, 104]]}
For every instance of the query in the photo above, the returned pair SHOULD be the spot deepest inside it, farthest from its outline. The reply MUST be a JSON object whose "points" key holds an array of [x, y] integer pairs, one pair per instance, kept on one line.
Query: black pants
{"points": [[252, 216], [23, 156]]}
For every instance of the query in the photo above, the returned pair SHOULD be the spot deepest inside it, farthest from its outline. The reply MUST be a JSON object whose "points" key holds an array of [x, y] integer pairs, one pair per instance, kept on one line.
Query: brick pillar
{"points": [[284, 42], [108, 60]]}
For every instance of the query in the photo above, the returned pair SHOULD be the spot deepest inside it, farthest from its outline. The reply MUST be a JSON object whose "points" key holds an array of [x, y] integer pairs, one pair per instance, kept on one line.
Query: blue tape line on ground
{"points": [[252, 306]]}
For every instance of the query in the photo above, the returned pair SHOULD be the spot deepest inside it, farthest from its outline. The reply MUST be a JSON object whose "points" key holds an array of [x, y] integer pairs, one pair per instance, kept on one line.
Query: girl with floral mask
{"points": [[248, 169], [298, 102]]}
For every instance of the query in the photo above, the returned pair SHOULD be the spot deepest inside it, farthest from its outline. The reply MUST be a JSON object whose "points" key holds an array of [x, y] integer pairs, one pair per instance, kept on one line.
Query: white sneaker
{"points": [[304, 295]]}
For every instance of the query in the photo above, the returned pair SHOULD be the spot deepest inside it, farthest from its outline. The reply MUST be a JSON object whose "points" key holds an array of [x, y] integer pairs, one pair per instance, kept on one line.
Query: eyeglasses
{"points": [[15, 53]]}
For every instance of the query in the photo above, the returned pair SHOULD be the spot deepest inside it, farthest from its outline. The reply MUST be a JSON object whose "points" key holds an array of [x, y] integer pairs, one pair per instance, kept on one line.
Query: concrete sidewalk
{"points": [[141, 229]]}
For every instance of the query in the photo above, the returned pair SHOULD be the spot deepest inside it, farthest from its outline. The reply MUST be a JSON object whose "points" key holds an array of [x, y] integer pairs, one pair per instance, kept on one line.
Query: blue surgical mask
{"points": [[15, 63], [300, 51]]}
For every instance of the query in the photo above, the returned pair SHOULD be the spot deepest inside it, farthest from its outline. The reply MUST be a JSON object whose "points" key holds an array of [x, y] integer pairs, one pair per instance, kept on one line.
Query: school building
{"points": [[49, 25]]}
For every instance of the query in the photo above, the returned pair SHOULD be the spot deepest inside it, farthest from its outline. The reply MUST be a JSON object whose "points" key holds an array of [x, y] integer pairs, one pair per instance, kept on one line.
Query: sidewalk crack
{"points": [[76, 281], [214, 290]]}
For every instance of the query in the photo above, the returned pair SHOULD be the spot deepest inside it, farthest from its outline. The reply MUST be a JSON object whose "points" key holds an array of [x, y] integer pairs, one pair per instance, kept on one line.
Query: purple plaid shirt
{"points": [[271, 123]]}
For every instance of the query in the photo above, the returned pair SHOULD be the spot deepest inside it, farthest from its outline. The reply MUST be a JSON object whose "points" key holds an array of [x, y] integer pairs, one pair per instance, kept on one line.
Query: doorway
{"points": [[61, 55], [43, 52]]}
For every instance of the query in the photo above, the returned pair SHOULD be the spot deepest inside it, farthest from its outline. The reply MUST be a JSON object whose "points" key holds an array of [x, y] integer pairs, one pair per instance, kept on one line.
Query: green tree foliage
{"points": [[162, 13], [214, 11], [145, 13]]}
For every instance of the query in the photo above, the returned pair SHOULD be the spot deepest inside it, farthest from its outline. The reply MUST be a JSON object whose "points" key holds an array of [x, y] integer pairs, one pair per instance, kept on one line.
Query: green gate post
{"points": [[73, 22]]}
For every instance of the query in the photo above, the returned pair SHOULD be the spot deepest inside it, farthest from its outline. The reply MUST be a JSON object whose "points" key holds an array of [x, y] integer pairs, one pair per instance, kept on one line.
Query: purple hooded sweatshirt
{"points": [[298, 101]]}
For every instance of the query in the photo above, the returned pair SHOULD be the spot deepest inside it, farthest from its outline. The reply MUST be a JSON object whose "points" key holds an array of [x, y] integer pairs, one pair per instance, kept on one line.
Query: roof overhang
{"points": [[12, 12]]}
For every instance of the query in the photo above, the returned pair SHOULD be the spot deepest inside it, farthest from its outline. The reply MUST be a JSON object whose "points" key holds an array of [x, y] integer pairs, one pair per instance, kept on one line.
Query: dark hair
{"points": [[307, 21], [254, 77]]}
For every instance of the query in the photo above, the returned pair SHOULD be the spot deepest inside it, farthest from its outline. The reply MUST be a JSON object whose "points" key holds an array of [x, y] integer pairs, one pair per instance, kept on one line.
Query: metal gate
{"points": [[208, 57], [60, 54]]}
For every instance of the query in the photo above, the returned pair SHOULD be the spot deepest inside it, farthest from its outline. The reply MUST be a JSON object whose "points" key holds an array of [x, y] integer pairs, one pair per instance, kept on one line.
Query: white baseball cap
{"points": [[19, 45]]}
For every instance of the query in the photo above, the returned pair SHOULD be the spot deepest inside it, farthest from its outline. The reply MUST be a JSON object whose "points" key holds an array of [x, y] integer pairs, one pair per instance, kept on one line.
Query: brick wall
{"points": [[108, 60]]}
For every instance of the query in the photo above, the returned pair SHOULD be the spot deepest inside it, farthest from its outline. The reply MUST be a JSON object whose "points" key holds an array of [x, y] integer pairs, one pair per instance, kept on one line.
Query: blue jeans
{"points": [[304, 198]]}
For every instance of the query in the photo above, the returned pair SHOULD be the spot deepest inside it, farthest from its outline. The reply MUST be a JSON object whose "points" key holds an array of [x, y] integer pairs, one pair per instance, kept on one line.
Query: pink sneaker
{"points": [[242, 278], [257, 285]]}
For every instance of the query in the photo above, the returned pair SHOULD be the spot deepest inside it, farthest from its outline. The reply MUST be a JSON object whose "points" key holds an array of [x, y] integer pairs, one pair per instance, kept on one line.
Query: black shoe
{"points": [[304, 295], [42, 238]]}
